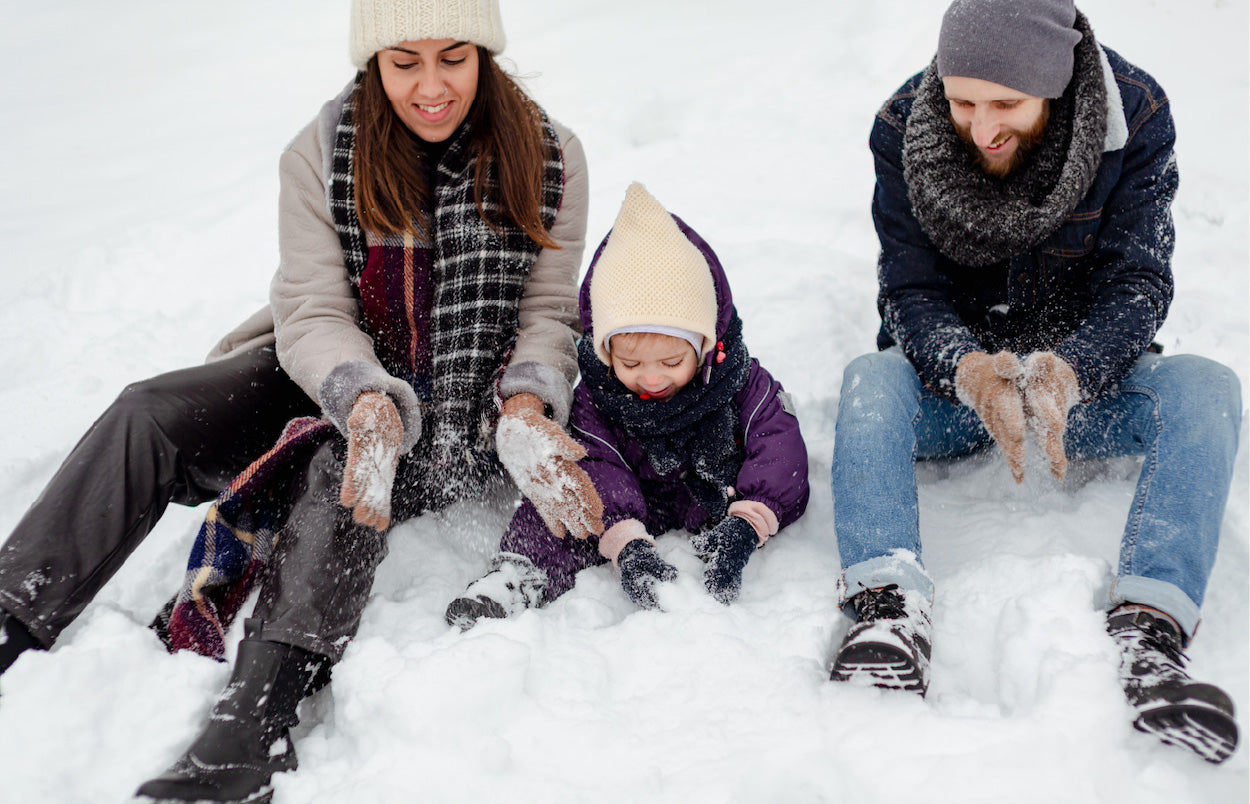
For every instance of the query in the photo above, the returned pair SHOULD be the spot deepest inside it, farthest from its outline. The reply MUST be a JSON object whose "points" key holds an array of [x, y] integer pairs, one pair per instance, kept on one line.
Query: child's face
{"points": [[652, 365]]}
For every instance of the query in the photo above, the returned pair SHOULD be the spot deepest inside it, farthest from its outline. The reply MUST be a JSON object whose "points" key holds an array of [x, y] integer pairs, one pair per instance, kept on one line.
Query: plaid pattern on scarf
{"points": [[236, 541], [479, 277], [479, 274]]}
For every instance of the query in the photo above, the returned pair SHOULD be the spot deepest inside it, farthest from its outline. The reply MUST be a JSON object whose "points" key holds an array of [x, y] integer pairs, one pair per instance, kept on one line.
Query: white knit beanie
{"points": [[650, 275], [379, 24]]}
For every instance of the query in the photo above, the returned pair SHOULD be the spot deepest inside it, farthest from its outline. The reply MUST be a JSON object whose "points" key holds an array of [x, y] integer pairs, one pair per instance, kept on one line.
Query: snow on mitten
{"points": [[374, 435], [1050, 391], [542, 460], [641, 569], [726, 549], [991, 385]]}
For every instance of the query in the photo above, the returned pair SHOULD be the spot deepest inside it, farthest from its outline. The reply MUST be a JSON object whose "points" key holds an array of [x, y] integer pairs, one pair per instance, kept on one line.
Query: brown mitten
{"points": [[542, 460], [990, 385], [374, 434], [1050, 391]]}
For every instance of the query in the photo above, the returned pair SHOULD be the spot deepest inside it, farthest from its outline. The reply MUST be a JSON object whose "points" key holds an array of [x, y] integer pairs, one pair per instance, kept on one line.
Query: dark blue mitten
{"points": [[641, 569], [726, 549]]}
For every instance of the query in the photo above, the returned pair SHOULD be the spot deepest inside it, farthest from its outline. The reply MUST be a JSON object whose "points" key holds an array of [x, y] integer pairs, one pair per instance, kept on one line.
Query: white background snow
{"points": [[137, 224]]}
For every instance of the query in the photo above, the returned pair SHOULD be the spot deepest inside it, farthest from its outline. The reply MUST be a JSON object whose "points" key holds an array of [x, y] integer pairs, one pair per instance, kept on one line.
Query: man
{"points": [[1024, 187]]}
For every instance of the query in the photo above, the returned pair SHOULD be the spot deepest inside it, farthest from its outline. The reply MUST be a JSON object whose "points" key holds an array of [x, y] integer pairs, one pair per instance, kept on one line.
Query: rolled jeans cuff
{"points": [[899, 568], [1166, 597]]}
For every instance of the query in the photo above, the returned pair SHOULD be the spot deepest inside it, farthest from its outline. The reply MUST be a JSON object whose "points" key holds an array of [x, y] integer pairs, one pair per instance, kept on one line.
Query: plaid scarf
{"points": [[480, 272], [479, 275], [698, 426]]}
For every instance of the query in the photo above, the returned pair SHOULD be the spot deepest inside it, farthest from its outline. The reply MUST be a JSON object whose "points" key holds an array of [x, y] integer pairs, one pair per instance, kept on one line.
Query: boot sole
{"points": [[259, 797], [881, 666], [1209, 733], [464, 612]]}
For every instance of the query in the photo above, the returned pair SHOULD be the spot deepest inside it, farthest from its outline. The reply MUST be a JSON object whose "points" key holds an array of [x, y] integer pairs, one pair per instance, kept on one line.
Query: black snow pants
{"points": [[179, 437]]}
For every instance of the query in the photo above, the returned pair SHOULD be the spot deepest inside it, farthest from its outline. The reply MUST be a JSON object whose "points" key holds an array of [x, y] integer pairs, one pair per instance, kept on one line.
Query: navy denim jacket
{"points": [[1095, 291]]}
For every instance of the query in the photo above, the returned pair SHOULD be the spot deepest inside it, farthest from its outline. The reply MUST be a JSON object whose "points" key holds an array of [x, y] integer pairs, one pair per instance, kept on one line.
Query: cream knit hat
{"points": [[651, 275], [379, 24]]}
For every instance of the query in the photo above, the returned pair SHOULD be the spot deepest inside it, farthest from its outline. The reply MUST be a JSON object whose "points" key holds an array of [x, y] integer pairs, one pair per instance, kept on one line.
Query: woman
{"points": [[431, 227]]}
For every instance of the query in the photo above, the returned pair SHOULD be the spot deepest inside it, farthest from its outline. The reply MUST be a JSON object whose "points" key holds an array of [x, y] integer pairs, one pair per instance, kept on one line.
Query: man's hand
{"points": [[1050, 391], [542, 460], [991, 385], [374, 434]]}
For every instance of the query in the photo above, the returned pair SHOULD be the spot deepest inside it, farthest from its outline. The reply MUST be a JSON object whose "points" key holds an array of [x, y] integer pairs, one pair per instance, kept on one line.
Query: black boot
{"points": [[890, 643], [1169, 704], [513, 584], [247, 738], [15, 640]]}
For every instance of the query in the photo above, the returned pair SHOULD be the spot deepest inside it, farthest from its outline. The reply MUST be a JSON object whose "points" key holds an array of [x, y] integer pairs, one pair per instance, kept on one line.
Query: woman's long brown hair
{"points": [[392, 192]]}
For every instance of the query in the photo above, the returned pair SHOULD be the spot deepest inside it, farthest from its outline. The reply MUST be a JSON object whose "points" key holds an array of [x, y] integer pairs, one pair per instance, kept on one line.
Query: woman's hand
{"points": [[375, 433], [542, 460]]}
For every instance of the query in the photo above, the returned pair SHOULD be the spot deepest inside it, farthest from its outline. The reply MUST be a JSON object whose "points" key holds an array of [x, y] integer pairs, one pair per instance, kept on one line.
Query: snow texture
{"points": [[141, 145]]}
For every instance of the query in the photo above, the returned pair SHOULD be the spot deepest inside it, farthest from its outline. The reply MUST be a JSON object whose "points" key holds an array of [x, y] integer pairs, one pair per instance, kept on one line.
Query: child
{"points": [[680, 428]]}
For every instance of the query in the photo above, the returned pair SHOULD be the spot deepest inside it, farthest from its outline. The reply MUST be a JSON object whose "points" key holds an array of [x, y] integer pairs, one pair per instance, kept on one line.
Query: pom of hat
{"points": [[1026, 45], [379, 24], [650, 274]]}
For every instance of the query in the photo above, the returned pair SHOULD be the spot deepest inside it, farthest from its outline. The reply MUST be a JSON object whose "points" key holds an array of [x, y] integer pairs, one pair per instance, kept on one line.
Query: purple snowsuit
{"points": [[773, 471]]}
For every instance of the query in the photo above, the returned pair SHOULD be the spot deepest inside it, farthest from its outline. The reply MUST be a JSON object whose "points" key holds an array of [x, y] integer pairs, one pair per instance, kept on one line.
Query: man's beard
{"points": [[1026, 143]]}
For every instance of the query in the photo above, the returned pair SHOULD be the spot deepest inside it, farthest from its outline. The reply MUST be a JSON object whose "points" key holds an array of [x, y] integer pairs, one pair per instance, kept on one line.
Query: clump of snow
{"points": [[140, 226]]}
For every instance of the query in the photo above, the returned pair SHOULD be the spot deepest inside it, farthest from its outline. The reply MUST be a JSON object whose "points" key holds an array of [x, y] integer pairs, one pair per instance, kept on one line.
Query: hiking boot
{"points": [[890, 642], [15, 639], [513, 584], [1169, 704], [247, 739]]}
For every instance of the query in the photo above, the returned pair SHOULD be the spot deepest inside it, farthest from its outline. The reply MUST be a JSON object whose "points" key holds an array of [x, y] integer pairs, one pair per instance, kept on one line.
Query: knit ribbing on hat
{"points": [[1022, 44], [380, 24], [650, 273]]}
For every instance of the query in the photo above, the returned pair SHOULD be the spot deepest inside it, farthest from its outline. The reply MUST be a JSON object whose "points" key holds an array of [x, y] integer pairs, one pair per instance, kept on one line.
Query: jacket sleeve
{"points": [[914, 299], [615, 480], [315, 311], [774, 471], [1131, 284], [544, 362]]}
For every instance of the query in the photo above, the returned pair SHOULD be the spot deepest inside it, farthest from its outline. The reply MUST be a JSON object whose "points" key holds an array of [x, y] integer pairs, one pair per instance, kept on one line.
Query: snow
{"points": [[138, 226]]}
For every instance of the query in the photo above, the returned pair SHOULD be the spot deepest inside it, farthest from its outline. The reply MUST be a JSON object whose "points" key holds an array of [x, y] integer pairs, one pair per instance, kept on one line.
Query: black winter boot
{"points": [[15, 640], [641, 569], [1169, 704], [247, 738], [890, 643], [513, 584]]}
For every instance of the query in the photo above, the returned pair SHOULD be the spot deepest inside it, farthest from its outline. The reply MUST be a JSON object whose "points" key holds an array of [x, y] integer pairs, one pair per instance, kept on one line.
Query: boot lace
{"points": [[885, 603]]}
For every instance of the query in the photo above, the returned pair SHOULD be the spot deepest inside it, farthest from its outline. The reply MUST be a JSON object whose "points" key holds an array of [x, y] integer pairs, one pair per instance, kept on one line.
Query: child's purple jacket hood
{"points": [[774, 470]]}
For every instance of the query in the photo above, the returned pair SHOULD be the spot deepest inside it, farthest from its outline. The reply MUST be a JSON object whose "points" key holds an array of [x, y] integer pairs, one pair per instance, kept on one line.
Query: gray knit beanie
{"points": [[1022, 44]]}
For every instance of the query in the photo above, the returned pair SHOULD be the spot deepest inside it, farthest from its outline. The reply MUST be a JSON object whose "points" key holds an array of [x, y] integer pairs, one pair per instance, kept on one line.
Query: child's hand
{"points": [[542, 460], [641, 569], [726, 548]]}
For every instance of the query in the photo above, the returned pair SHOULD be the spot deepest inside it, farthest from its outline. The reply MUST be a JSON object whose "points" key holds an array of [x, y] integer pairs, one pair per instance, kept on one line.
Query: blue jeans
{"points": [[1181, 413]]}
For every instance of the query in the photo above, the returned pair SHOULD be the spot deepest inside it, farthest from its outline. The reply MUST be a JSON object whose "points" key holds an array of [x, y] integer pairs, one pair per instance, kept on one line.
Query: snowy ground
{"points": [[137, 225]]}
